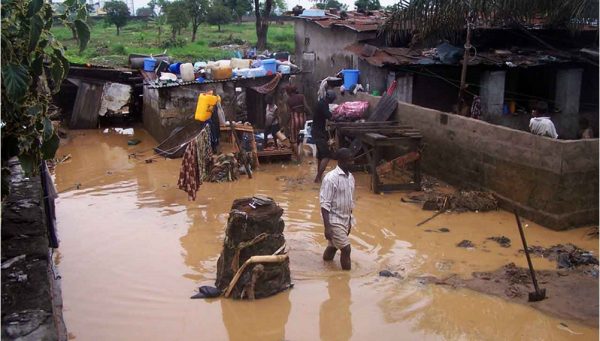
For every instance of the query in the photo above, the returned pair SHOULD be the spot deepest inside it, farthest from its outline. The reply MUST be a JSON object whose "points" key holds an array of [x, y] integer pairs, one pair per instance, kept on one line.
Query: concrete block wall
{"points": [[552, 182]]}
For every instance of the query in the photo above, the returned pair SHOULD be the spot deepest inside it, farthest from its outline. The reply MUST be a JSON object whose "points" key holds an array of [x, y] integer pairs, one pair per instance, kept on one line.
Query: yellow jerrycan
{"points": [[205, 105]]}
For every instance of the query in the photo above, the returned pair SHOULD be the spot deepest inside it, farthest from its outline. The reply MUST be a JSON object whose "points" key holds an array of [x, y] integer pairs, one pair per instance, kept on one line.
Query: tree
{"points": [[238, 8], [367, 5], [33, 68], [262, 13], [117, 13], [219, 15], [331, 4], [441, 19], [177, 16], [144, 12], [197, 10]]}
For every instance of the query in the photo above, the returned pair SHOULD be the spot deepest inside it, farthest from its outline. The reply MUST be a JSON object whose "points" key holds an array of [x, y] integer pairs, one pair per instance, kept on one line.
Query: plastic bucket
{"points": [[204, 106], [270, 65], [174, 68], [149, 64], [350, 77]]}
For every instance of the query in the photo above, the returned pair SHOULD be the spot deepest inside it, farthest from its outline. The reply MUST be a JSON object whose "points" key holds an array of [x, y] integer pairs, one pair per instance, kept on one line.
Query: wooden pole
{"points": [[463, 73]]}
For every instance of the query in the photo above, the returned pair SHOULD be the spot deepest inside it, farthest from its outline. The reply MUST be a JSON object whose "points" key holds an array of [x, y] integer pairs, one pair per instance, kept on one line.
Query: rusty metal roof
{"points": [[516, 57], [359, 22]]}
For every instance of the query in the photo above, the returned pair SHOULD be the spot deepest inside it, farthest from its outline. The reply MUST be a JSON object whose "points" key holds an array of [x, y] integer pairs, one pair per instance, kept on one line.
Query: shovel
{"points": [[538, 294]]}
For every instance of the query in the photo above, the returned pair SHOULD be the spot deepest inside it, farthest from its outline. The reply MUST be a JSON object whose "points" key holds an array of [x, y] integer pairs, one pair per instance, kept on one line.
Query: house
{"points": [[508, 69]]}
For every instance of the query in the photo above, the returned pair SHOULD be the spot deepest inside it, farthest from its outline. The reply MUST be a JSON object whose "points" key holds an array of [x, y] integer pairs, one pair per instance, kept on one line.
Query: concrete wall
{"points": [[552, 182], [327, 48]]}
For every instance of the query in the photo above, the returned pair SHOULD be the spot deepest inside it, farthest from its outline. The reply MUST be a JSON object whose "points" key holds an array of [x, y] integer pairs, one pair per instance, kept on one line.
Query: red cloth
{"points": [[189, 177]]}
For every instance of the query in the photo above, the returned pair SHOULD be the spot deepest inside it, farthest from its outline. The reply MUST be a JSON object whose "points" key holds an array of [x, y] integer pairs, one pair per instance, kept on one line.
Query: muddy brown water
{"points": [[134, 249]]}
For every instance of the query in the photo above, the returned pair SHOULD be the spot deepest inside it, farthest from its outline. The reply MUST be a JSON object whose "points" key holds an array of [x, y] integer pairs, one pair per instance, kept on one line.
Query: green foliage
{"points": [[170, 43], [197, 10], [119, 49], [219, 15], [367, 5], [441, 19], [117, 13], [238, 7], [177, 14], [27, 83], [144, 12], [332, 4]]}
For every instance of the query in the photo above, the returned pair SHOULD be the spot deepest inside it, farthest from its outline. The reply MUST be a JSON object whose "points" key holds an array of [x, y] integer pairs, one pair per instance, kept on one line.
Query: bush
{"points": [[119, 49], [171, 43]]}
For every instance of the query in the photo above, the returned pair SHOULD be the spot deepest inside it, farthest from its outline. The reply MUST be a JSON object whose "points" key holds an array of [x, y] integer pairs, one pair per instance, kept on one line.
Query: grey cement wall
{"points": [[31, 297], [328, 46], [552, 182]]}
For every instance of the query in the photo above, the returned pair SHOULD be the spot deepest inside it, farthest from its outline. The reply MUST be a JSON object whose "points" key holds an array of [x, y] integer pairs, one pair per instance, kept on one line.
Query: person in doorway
{"points": [[337, 201], [585, 129], [271, 119], [297, 109], [541, 124], [319, 132]]}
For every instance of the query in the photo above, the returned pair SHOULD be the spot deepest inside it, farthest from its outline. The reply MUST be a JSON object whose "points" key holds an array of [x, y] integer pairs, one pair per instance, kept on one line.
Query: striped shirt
{"points": [[337, 192]]}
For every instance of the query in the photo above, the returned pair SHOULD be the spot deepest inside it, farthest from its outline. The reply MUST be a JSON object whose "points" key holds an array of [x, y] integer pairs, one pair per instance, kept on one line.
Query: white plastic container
{"points": [[237, 63], [284, 69], [187, 72]]}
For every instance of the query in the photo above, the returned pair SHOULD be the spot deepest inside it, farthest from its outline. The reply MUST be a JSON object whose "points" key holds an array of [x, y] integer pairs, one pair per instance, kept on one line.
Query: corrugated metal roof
{"points": [[359, 22], [517, 57]]}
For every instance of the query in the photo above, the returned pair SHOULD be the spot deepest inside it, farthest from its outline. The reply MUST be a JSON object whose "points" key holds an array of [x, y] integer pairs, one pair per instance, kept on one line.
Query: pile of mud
{"points": [[461, 201], [569, 294], [566, 256]]}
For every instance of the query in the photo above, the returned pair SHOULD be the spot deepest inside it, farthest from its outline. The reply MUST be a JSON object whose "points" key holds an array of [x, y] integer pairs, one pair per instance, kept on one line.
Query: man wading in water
{"points": [[337, 192]]}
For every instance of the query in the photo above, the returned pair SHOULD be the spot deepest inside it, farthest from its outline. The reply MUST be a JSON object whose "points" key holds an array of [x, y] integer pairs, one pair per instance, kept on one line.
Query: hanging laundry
{"points": [[189, 180], [476, 107]]}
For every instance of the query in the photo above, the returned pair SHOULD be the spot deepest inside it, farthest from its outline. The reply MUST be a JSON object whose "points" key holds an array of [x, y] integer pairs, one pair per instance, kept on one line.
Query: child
{"points": [[271, 119]]}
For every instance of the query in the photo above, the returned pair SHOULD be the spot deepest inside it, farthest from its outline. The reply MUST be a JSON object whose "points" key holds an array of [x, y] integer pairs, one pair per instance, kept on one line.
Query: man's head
{"points": [[540, 109], [330, 96], [345, 159]]}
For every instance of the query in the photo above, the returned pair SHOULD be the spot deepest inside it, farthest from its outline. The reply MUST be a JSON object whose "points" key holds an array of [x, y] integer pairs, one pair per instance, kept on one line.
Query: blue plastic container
{"points": [[350, 77], [270, 65], [149, 64], [174, 68]]}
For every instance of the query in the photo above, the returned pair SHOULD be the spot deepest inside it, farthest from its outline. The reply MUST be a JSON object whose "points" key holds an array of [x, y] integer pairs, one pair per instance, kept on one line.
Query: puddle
{"points": [[134, 249]]}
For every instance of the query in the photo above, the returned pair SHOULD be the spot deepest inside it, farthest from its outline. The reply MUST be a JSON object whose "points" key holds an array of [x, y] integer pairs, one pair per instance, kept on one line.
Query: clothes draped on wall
{"points": [[196, 163]]}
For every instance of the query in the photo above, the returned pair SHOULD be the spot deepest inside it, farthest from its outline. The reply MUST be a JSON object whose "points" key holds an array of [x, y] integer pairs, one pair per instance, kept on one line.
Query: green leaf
{"points": [[34, 111], [83, 34], [36, 24], [16, 80], [38, 65], [28, 163], [69, 3], [50, 146], [48, 128], [57, 72], [48, 18], [34, 7]]}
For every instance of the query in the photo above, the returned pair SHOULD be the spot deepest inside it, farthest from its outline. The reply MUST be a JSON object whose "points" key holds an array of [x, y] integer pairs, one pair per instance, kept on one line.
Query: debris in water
{"points": [[444, 229], [207, 291], [388, 273], [593, 232], [466, 244], [462, 201], [565, 327], [133, 142], [502, 240], [567, 256]]}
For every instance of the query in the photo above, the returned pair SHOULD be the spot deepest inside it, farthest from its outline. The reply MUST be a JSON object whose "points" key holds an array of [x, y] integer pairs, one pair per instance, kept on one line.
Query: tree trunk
{"points": [[173, 33], [159, 33], [118, 30], [219, 27], [194, 29], [262, 23]]}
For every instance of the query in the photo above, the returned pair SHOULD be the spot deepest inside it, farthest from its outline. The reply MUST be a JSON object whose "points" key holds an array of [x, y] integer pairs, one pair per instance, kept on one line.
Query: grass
{"points": [[106, 48]]}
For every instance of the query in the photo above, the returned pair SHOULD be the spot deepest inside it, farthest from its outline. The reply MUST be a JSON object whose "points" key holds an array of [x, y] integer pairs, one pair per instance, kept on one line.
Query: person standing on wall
{"points": [[319, 132], [337, 201], [297, 109], [541, 124]]}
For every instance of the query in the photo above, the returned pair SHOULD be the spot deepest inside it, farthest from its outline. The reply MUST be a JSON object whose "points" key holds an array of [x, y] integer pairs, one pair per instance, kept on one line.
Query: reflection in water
{"points": [[335, 318], [262, 319], [134, 241]]}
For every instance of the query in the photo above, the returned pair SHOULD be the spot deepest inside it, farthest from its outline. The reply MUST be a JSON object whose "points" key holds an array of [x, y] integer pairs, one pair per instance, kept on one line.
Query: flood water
{"points": [[134, 249]]}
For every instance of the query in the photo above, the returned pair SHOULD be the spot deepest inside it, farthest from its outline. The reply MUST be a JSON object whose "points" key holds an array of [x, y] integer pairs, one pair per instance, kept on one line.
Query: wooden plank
{"points": [[87, 105], [280, 152], [397, 162]]}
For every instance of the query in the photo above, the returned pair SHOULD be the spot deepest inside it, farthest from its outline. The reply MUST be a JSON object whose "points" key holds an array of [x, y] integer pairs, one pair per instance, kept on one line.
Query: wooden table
{"points": [[372, 138]]}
